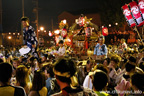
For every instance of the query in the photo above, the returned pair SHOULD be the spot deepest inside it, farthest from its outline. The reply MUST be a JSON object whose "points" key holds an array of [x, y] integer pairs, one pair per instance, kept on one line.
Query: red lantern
{"points": [[105, 31], [136, 13], [141, 6], [128, 16], [81, 21], [88, 31], [64, 33]]}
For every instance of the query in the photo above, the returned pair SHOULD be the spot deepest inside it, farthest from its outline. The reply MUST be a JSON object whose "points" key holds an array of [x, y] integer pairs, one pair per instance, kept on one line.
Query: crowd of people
{"points": [[56, 72], [119, 73]]}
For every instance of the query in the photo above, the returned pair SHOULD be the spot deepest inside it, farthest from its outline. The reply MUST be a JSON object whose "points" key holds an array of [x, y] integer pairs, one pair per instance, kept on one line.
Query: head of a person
{"points": [[61, 42], [89, 64], [15, 62], [39, 80], [1, 60], [102, 68], [101, 40], [14, 49], [114, 61], [135, 53], [31, 61], [106, 61], [48, 69], [100, 80], [135, 46], [25, 21], [22, 75], [141, 65], [64, 69], [130, 67], [137, 81], [5, 72], [44, 57], [122, 40], [131, 64]]}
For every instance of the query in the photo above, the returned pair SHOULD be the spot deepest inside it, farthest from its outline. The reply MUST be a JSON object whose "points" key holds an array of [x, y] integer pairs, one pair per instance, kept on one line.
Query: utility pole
{"points": [[1, 38], [37, 18], [36, 11], [21, 24], [52, 24], [22, 8]]}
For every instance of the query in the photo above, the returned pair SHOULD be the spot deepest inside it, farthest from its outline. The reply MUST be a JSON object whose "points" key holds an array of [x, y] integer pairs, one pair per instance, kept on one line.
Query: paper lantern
{"points": [[50, 33], [128, 16], [88, 31], [81, 21], [105, 31], [141, 7], [64, 33], [136, 13]]}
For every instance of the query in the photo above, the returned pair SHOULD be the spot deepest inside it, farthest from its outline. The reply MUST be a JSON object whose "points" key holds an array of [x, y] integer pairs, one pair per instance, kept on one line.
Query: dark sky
{"points": [[49, 9]]}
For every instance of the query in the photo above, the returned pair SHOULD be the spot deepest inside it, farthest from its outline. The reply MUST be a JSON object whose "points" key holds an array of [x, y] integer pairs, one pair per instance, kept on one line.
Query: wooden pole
{"points": [[135, 28]]}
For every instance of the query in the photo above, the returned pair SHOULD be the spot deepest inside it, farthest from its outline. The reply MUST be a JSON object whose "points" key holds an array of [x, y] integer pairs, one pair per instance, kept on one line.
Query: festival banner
{"points": [[128, 16], [136, 13], [141, 7]]}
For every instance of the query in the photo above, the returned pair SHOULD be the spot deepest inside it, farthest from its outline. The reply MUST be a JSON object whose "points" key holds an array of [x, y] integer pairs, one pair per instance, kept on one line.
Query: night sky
{"points": [[48, 10]]}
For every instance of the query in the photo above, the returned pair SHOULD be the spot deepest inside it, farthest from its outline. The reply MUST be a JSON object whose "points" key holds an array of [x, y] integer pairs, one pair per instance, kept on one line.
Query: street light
{"points": [[109, 25], [45, 31], [9, 37], [42, 28], [116, 23]]}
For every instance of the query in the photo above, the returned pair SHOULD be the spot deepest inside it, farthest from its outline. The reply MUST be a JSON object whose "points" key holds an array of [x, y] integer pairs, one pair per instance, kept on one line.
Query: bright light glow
{"points": [[42, 28], [50, 33], [116, 23], [45, 31], [9, 33], [109, 25], [77, 21], [18, 33], [9, 37], [13, 33], [64, 21], [102, 26], [69, 40], [56, 31]]}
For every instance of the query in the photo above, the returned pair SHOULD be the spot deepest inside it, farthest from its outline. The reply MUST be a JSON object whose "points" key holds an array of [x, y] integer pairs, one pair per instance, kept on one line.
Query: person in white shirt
{"points": [[61, 50], [124, 45]]}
